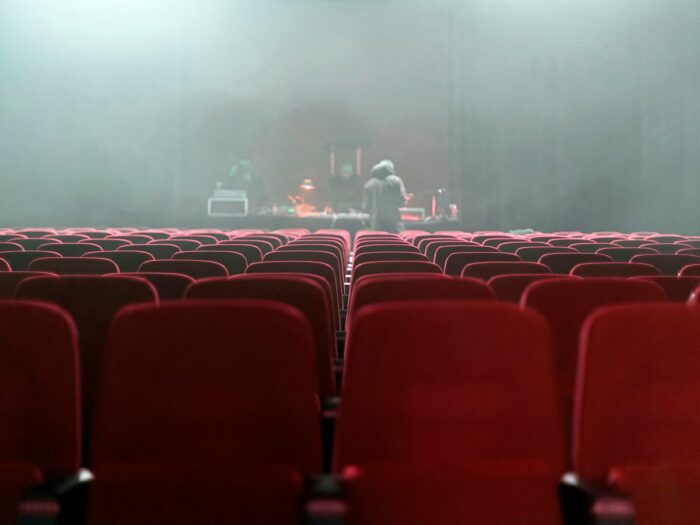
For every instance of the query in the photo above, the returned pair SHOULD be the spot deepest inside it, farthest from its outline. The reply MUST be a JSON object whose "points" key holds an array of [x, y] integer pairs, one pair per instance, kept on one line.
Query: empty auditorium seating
{"points": [[533, 253], [234, 263], [322, 270], [486, 270], [91, 301], [193, 268], [183, 244], [388, 256], [126, 260], [264, 246], [666, 247], [592, 247], [179, 439], [565, 262], [40, 418], [432, 247], [443, 252], [107, 244], [668, 264], [31, 243], [73, 265], [613, 269], [70, 249], [20, 261], [456, 262], [678, 289], [10, 247], [636, 424], [251, 253], [691, 270], [158, 251], [378, 288], [631, 243], [565, 304], [328, 258], [170, 286], [297, 291], [512, 287], [513, 247], [689, 251], [625, 254], [10, 280], [133, 238], [370, 268], [430, 436], [385, 247]]}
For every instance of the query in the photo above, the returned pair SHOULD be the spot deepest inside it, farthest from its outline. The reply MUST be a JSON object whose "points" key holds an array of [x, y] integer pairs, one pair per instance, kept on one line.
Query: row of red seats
{"points": [[451, 413]]}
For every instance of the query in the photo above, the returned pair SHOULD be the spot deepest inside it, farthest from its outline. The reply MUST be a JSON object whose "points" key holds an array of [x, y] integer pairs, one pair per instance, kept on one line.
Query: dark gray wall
{"points": [[579, 114]]}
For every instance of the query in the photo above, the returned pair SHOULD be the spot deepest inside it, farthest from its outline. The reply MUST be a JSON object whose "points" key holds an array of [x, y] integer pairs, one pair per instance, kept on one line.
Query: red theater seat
{"points": [[107, 244], [70, 249], [636, 424], [40, 418], [379, 288], [183, 244], [126, 260], [565, 262], [180, 440], [31, 243], [383, 267], [251, 253], [630, 243], [443, 252], [668, 264], [388, 256], [297, 291], [328, 258], [613, 269], [486, 270], [456, 262], [514, 246], [263, 246], [170, 286], [625, 254], [92, 301], [667, 247], [193, 268], [512, 287], [73, 265], [158, 251], [10, 247], [565, 304], [592, 247], [678, 289], [321, 270], [430, 436], [235, 263], [691, 270], [20, 261], [10, 280], [533, 253], [385, 247]]}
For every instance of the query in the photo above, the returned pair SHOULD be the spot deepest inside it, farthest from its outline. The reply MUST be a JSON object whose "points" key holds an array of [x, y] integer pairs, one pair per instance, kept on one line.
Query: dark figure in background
{"points": [[241, 177], [345, 190], [384, 195]]}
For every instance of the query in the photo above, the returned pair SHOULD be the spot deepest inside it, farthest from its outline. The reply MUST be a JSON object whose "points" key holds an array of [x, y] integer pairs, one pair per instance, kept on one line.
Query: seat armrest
{"points": [[56, 502], [585, 503], [325, 501]]}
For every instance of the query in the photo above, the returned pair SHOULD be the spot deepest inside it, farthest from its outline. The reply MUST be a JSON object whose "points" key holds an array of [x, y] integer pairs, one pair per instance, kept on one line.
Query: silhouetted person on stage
{"points": [[384, 195], [345, 190], [241, 177]]}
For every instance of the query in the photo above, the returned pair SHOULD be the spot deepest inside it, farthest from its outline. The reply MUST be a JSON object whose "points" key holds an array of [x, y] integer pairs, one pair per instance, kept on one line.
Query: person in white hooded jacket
{"points": [[384, 194]]}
